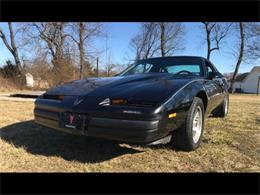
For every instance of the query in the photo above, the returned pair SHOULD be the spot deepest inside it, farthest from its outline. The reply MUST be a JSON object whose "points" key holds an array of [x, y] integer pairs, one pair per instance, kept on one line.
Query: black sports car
{"points": [[152, 101]]}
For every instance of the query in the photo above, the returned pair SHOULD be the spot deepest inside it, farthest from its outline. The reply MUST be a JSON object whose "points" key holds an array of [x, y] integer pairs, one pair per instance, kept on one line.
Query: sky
{"points": [[120, 34]]}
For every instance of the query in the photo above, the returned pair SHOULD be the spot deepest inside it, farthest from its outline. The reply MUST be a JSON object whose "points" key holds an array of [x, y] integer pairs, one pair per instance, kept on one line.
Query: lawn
{"points": [[229, 145]]}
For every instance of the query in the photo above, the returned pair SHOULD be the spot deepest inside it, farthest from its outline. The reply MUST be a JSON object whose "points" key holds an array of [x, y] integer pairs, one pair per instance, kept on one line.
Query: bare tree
{"points": [[143, 43], [162, 28], [241, 53], [215, 34], [110, 67], [52, 34], [157, 39], [171, 36], [136, 45], [12, 47], [83, 32], [252, 37]]}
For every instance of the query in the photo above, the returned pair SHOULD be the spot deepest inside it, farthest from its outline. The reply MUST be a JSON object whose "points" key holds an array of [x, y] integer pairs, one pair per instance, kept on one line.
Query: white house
{"points": [[248, 82], [29, 80]]}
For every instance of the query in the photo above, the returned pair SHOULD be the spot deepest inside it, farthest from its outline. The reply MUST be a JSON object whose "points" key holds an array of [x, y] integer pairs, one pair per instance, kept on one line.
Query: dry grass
{"points": [[229, 145], [6, 85]]}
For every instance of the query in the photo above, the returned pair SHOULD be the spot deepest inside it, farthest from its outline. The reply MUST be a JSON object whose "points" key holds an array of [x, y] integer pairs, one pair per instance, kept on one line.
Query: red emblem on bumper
{"points": [[71, 119]]}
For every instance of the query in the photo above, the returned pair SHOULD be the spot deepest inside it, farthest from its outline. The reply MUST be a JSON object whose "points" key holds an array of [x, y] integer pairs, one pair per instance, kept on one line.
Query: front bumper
{"points": [[121, 129]]}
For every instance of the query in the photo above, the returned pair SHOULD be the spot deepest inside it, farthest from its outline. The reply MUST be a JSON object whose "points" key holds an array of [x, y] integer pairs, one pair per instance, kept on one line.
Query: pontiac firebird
{"points": [[151, 101]]}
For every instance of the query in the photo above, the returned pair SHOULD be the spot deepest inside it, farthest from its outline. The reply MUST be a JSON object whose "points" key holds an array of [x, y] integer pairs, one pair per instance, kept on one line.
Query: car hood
{"points": [[149, 86]]}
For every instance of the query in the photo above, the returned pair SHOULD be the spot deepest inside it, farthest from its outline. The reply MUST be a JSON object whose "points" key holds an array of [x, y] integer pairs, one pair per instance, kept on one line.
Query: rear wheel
{"points": [[189, 137], [222, 110]]}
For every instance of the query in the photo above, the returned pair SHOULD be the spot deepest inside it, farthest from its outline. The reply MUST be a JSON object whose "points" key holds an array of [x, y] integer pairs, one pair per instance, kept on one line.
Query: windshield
{"points": [[161, 65]]}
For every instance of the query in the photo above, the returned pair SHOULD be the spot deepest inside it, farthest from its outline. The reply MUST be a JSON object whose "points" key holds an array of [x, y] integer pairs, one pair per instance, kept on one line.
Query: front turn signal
{"points": [[172, 115], [61, 97], [119, 101]]}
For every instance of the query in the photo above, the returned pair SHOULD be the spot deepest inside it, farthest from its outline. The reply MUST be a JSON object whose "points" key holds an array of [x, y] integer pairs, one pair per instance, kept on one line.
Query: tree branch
{"points": [[2, 35]]}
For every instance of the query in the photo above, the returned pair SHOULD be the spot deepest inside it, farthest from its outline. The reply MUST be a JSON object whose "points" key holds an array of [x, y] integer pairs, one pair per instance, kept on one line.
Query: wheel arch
{"points": [[203, 96]]}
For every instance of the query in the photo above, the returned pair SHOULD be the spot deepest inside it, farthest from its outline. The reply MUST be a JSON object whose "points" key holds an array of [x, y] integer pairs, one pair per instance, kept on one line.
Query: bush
{"points": [[11, 77], [9, 70]]}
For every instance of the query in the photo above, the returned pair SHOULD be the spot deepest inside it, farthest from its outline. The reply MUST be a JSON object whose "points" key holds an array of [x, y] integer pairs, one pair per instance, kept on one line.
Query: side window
{"points": [[209, 68], [141, 68], [192, 68]]}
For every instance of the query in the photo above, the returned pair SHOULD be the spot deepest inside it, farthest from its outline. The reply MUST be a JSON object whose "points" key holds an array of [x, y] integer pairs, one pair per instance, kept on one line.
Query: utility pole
{"points": [[257, 90], [74, 68], [97, 67], [106, 48], [108, 66]]}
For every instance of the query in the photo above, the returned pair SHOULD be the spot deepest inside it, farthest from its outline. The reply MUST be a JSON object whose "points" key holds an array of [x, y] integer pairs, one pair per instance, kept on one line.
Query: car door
{"points": [[214, 86]]}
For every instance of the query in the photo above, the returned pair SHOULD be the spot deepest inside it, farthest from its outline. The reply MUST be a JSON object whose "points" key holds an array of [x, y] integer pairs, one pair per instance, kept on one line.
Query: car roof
{"points": [[173, 57], [168, 57]]}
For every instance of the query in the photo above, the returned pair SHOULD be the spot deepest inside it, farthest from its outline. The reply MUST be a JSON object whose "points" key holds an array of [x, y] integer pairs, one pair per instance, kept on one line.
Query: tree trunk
{"points": [[240, 57], [12, 47], [208, 42], [15, 51], [162, 25], [81, 48], [208, 50]]}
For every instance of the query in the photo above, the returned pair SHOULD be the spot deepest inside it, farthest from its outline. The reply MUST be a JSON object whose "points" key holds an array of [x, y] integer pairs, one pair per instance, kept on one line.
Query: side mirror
{"points": [[214, 75]]}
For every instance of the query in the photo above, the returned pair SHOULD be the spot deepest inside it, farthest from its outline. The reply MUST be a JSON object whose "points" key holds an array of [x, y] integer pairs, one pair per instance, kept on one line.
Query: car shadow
{"points": [[40, 140]]}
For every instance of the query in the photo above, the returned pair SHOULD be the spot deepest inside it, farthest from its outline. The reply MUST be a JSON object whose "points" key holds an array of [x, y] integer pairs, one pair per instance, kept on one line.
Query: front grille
{"points": [[141, 103], [46, 114]]}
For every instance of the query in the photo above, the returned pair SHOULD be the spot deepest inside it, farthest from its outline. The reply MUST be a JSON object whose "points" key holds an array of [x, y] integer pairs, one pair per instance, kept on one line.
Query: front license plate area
{"points": [[73, 121]]}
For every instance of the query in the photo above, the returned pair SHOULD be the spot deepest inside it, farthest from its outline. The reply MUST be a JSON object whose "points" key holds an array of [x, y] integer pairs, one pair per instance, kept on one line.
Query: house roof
{"points": [[241, 77], [256, 68]]}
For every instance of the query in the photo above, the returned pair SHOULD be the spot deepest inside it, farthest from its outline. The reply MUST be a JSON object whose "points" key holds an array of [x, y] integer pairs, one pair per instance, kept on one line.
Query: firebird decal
{"points": [[77, 102], [105, 102]]}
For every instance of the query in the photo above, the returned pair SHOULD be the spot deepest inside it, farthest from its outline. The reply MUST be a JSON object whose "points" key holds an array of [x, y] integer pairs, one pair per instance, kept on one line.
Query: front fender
{"points": [[182, 99]]}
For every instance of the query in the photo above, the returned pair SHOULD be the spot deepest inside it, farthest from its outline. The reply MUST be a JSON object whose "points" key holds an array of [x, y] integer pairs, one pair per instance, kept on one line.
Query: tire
{"points": [[222, 110], [185, 138]]}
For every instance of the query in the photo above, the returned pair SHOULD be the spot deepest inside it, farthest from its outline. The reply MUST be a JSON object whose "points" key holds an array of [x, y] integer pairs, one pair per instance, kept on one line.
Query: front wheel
{"points": [[189, 137]]}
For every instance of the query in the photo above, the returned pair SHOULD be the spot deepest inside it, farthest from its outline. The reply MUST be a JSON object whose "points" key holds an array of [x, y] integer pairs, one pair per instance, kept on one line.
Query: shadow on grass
{"points": [[258, 121], [40, 140]]}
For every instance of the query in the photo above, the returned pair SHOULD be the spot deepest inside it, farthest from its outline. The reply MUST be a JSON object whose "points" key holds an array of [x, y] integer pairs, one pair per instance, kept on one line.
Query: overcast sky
{"points": [[120, 34]]}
